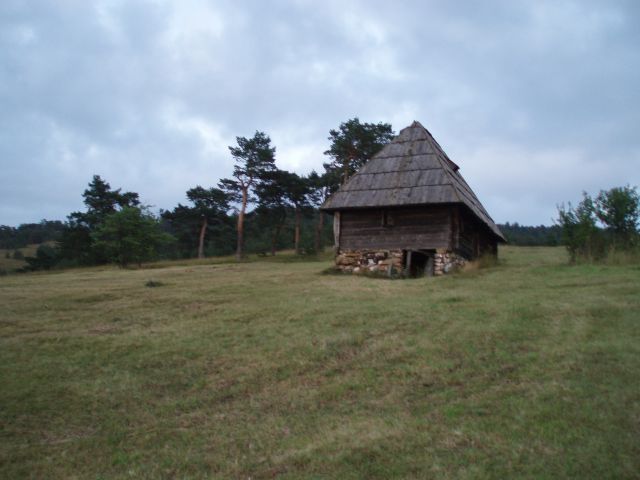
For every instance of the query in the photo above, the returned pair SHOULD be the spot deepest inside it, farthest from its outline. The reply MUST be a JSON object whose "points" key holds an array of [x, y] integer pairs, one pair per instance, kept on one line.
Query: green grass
{"points": [[269, 369]]}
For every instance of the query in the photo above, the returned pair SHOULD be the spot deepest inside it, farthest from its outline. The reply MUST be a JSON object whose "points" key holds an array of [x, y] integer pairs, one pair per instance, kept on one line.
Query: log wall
{"points": [[474, 238], [396, 229]]}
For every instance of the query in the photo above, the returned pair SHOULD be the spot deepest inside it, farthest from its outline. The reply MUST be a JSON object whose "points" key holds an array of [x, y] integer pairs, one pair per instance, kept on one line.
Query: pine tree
{"points": [[353, 144], [254, 159]]}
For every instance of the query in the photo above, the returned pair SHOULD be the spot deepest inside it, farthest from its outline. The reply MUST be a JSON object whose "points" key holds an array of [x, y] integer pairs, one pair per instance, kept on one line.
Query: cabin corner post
{"points": [[336, 232], [455, 228]]}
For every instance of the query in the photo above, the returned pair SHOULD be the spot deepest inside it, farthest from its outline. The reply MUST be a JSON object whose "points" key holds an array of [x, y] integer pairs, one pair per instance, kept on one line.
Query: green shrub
{"points": [[617, 210], [131, 235], [46, 258]]}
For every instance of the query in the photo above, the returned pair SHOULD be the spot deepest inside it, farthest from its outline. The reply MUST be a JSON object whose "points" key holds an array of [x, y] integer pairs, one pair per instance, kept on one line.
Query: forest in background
{"points": [[223, 232], [259, 208]]}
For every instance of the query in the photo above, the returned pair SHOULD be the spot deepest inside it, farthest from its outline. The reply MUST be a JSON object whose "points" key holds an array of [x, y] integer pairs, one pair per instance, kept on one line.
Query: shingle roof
{"points": [[411, 170]]}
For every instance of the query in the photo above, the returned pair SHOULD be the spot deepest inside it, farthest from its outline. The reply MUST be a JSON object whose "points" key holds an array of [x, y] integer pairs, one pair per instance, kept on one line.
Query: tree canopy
{"points": [[254, 160], [30, 233], [618, 209], [130, 235], [353, 144], [77, 243], [102, 201]]}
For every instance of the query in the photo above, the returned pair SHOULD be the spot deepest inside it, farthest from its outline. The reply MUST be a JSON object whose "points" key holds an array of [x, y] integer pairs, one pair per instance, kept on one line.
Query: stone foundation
{"points": [[447, 262], [377, 262], [389, 262]]}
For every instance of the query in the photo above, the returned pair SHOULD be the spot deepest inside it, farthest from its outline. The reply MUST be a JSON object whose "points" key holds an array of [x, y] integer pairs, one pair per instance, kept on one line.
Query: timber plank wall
{"points": [[474, 238], [398, 228]]}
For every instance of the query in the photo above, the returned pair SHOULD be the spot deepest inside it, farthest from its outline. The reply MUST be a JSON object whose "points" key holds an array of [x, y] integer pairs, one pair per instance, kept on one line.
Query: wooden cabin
{"points": [[409, 210]]}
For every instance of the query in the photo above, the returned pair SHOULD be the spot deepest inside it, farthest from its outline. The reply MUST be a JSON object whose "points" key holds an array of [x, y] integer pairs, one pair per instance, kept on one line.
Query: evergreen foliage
{"points": [[352, 144], [272, 205], [30, 233], [254, 160], [320, 187], [130, 235], [46, 258], [202, 228], [77, 243]]}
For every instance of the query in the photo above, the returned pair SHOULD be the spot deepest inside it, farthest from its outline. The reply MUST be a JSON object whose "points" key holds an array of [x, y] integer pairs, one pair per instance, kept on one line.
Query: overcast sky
{"points": [[535, 100]]}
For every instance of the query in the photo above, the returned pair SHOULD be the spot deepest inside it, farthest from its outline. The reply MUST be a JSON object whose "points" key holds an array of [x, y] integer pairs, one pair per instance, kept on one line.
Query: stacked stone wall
{"points": [[447, 262], [389, 262], [379, 262]]}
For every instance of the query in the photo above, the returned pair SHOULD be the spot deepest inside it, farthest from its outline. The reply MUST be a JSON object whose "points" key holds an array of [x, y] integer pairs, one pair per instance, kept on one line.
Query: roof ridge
{"points": [[395, 188]]}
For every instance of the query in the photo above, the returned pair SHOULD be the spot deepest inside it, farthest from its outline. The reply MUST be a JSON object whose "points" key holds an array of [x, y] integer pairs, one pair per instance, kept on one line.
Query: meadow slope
{"points": [[269, 369]]}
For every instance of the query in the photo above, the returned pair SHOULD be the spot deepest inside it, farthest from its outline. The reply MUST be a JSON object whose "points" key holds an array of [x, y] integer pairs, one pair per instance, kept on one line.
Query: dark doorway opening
{"points": [[418, 263]]}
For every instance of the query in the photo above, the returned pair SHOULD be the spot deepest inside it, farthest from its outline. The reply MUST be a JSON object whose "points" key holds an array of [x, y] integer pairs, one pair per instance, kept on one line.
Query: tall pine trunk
{"points": [[297, 230], [243, 208], [203, 231]]}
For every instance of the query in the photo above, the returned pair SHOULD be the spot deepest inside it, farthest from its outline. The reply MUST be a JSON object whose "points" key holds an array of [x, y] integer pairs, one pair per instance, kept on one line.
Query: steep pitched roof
{"points": [[411, 170]]}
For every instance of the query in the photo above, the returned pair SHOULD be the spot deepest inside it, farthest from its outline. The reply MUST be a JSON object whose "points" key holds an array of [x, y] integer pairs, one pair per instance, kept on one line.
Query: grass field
{"points": [[269, 369]]}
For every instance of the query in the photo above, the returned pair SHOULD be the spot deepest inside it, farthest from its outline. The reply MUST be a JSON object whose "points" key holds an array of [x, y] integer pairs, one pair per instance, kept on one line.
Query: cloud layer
{"points": [[536, 101]]}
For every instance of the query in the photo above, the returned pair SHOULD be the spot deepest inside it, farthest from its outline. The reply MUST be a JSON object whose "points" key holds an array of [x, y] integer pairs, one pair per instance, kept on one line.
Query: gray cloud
{"points": [[535, 101]]}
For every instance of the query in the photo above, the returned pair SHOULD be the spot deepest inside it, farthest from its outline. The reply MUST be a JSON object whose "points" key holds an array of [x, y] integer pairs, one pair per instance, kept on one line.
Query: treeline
{"points": [[602, 227], [537, 236], [259, 208], [30, 233]]}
